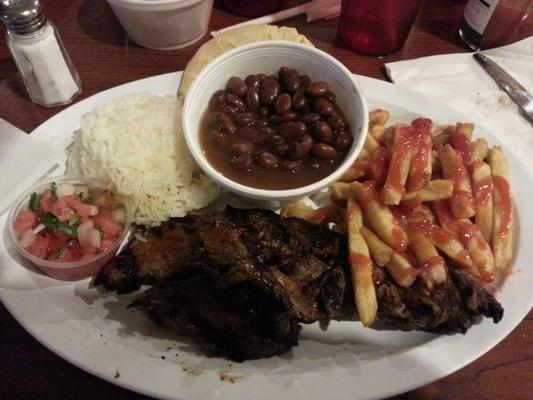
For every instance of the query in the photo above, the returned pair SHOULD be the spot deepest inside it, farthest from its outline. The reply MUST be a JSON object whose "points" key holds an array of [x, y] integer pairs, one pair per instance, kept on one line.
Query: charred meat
{"points": [[244, 280]]}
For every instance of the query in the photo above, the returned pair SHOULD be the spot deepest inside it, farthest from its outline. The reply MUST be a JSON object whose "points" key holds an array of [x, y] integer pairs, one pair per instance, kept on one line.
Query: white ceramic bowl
{"points": [[163, 24], [268, 57]]}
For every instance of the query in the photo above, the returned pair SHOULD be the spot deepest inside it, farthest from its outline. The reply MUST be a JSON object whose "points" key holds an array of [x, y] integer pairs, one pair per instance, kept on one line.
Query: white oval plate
{"points": [[94, 331]]}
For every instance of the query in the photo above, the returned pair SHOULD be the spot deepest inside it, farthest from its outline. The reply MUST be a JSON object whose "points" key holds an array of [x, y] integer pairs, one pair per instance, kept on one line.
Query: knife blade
{"points": [[515, 90]]}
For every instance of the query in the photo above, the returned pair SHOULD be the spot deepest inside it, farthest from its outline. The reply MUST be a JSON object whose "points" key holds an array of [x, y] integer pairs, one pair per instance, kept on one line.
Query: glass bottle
{"points": [[254, 8], [376, 27], [492, 23], [42, 61]]}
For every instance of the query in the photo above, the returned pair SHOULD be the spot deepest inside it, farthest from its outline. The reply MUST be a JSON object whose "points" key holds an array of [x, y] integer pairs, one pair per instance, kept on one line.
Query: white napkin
{"points": [[460, 82], [23, 161]]}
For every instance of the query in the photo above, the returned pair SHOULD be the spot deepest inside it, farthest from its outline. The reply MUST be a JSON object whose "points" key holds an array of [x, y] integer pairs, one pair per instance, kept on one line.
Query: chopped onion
{"points": [[27, 238], [119, 215], [39, 228], [65, 189], [88, 235], [140, 238], [93, 211]]}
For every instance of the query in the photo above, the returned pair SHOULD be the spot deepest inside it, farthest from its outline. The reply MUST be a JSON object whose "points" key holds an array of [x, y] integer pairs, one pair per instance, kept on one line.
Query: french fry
{"points": [[401, 270], [436, 167], [465, 129], [361, 266], [340, 190], [380, 165], [471, 238], [438, 189], [388, 137], [378, 117], [360, 170], [420, 168], [478, 248], [482, 189], [364, 155], [445, 240], [402, 152], [443, 136], [371, 144], [378, 133], [322, 215], [502, 229], [380, 252], [462, 201], [432, 266], [379, 216], [478, 150], [298, 210], [460, 141]]}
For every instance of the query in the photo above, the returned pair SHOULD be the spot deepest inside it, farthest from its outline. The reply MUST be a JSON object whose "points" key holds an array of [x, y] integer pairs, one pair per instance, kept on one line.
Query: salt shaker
{"points": [[48, 74]]}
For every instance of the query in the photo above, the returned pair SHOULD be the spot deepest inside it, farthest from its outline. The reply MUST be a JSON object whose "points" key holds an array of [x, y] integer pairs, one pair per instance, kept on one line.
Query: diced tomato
{"points": [[104, 221], [57, 243], [40, 246], [88, 252], [83, 211], [62, 207], [25, 220]]}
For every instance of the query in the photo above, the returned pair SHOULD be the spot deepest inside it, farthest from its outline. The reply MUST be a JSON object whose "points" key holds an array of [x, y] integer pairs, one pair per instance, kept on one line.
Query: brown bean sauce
{"points": [[274, 132]]}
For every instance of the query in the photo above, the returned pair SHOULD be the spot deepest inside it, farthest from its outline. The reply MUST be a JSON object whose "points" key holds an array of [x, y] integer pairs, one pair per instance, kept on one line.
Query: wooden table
{"points": [[105, 58]]}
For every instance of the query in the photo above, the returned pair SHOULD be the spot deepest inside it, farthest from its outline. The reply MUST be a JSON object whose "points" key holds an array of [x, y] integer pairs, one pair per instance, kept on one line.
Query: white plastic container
{"points": [[163, 24], [268, 57]]}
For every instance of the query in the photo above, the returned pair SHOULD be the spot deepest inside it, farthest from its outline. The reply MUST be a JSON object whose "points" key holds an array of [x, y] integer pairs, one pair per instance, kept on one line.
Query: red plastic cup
{"points": [[377, 27], [254, 8]]}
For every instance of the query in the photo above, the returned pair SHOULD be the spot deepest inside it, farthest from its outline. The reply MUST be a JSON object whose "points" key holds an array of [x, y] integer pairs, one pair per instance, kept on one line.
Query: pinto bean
{"points": [[242, 147], [245, 119], [323, 106], [317, 89], [323, 132], [343, 141], [236, 86], [293, 130], [269, 91], [298, 101], [252, 81], [283, 103], [235, 101], [300, 148], [268, 160], [324, 151], [310, 118], [243, 161], [252, 99], [287, 117]]}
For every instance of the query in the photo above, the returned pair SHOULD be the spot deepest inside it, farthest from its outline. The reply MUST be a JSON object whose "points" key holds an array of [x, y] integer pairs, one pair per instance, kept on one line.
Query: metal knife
{"points": [[515, 90]]}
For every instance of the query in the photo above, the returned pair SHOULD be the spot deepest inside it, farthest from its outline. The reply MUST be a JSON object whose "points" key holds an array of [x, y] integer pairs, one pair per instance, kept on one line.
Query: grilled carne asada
{"points": [[244, 280]]}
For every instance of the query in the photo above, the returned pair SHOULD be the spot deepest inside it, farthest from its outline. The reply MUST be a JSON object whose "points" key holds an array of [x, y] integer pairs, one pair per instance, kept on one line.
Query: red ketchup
{"points": [[253, 9], [376, 27]]}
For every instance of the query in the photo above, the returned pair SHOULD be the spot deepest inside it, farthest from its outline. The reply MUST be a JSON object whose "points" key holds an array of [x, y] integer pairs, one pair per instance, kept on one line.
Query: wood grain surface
{"points": [[105, 58]]}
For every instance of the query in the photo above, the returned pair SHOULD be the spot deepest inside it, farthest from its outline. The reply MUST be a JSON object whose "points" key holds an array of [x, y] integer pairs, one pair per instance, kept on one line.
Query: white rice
{"points": [[136, 143]]}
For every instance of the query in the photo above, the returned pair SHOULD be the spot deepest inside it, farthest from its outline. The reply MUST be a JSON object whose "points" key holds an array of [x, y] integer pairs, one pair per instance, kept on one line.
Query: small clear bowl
{"points": [[69, 271]]}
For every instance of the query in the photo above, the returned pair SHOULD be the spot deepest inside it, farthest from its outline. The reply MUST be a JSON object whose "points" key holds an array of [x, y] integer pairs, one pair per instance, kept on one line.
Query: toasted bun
{"points": [[230, 40]]}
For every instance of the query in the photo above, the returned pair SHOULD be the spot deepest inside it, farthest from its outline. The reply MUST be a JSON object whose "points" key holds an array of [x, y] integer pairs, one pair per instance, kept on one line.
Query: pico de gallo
{"points": [[69, 223]]}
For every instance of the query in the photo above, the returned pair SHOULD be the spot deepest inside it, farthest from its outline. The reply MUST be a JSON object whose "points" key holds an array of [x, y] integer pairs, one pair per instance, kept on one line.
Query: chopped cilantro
{"points": [[84, 197], [34, 202], [69, 228], [59, 254]]}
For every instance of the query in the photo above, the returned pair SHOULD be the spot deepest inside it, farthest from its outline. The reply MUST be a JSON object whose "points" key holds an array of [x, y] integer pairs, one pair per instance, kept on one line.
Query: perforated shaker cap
{"points": [[22, 16]]}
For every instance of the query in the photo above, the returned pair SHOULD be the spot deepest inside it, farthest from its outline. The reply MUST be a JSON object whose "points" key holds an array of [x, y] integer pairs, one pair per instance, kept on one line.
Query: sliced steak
{"points": [[244, 280]]}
